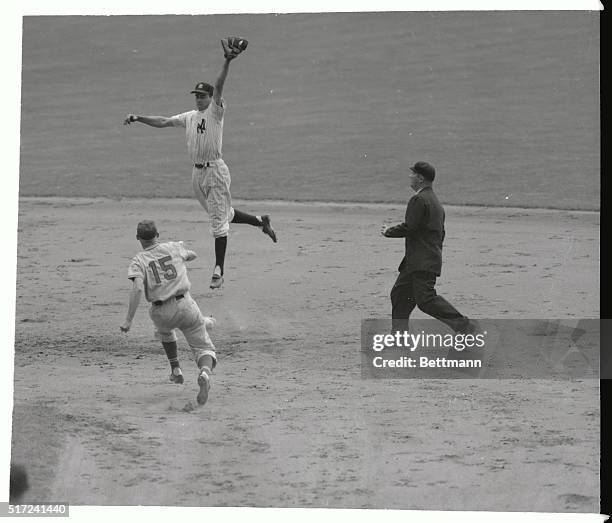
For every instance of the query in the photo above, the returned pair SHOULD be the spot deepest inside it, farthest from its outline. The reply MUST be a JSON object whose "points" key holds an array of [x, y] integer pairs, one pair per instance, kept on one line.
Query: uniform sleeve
{"points": [[135, 269], [217, 111], [183, 252], [179, 120], [415, 211]]}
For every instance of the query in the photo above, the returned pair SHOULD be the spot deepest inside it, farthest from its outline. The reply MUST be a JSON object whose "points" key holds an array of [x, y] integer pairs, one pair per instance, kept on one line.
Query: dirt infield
{"points": [[290, 423]]}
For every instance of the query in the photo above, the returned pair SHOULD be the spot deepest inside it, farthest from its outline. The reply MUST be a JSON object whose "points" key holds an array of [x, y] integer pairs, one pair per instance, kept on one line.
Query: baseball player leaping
{"points": [[160, 271], [210, 176]]}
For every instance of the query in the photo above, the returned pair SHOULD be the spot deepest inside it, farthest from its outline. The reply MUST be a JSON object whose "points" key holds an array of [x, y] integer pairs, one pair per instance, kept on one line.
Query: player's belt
{"points": [[161, 302], [205, 164]]}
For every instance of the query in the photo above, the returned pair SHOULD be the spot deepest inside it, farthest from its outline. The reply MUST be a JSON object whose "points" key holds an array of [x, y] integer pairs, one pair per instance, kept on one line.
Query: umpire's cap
{"points": [[203, 88], [425, 169], [146, 230]]}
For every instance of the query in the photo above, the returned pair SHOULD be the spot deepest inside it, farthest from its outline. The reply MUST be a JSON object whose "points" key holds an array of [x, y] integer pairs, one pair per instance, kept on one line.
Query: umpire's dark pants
{"points": [[416, 289]]}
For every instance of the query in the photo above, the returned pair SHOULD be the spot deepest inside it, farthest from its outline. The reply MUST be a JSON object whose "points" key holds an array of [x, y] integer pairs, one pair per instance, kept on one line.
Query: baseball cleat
{"points": [[204, 383], [267, 228], [177, 376], [216, 281]]}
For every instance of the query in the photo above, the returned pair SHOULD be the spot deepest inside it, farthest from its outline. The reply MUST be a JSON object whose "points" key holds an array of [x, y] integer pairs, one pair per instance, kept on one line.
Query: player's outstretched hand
{"points": [[130, 118], [228, 52], [383, 230], [125, 327]]}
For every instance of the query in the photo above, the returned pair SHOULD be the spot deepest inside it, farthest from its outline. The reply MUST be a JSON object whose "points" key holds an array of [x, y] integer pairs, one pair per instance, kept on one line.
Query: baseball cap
{"points": [[203, 88], [146, 230], [425, 169]]}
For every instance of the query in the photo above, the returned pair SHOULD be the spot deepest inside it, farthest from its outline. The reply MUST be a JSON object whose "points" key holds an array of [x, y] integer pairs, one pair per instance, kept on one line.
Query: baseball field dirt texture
{"points": [[325, 112]]}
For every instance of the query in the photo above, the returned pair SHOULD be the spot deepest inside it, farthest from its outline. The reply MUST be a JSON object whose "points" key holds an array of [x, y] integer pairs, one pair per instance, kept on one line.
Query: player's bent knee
{"points": [[198, 353], [166, 337], [219, 228]]}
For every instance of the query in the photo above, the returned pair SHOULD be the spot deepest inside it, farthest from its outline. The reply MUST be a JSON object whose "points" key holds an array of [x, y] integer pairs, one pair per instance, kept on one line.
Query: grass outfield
{"points": [[330, 107]]}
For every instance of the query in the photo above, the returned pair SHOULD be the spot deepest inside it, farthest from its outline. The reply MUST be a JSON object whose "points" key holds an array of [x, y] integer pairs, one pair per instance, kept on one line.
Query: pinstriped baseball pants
{"points": [[211, 186]]}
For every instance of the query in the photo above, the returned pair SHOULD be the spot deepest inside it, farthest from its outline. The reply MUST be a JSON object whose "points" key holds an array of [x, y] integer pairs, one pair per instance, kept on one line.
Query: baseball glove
{"points": [[233, 46]]}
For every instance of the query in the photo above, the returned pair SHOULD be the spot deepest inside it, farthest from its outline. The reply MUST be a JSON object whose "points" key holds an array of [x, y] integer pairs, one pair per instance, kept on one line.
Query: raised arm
{"points": [[218, 94], [153, 121], [232, 47]]}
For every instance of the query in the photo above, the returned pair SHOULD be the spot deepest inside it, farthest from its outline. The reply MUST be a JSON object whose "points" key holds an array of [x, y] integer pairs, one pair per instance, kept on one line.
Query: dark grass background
{"points": [[321, 106]]}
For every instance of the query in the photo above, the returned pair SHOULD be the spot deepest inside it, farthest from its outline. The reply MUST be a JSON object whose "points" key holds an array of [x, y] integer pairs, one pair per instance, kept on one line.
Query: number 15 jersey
{"points": [[162, 268]]}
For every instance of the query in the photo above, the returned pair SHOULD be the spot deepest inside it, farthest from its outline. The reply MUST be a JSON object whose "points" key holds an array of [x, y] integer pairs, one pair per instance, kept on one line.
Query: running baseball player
{"points": [[160, 272], [210, 176]]}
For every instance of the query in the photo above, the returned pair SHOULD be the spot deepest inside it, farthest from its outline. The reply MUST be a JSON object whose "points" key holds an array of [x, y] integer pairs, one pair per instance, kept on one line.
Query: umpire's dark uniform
{"points": [[423, 230]]}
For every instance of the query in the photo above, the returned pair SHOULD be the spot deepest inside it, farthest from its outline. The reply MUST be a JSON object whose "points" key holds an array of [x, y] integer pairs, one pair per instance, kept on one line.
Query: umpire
{"points": [[423, 230]]}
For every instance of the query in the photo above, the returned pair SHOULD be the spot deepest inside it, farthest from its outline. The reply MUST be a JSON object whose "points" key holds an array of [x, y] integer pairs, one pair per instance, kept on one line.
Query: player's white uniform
{"points": [[164, 274], [210, 177]]}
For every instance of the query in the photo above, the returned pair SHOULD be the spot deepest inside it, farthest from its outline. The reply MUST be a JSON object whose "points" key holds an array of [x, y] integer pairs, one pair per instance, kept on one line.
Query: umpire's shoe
{"points": [[267, 228], [204, 383]]}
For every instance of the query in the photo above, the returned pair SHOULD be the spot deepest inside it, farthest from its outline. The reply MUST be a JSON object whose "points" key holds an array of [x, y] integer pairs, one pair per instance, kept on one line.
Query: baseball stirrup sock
{"points": [[171, 349], [220, 247], [243, 217]]}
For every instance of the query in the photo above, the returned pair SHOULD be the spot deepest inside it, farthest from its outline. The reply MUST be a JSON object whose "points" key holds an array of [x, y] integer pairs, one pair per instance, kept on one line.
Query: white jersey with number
{"points": [[162, 268], [204, 132]]}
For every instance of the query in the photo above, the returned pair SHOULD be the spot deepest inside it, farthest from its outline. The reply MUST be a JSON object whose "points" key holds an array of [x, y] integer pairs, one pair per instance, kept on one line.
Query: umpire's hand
{"points": [[383, 230]]}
